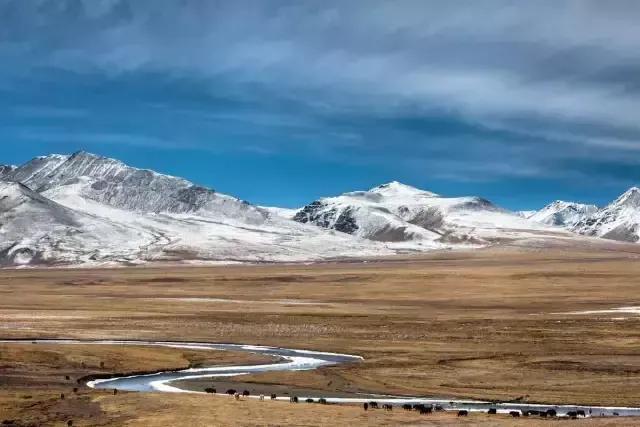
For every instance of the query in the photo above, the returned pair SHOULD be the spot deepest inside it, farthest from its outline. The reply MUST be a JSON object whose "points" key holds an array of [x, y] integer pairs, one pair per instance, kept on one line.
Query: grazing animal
{"points": [[543, 414], [61, 396], [231, 392], [67, 377], [581, 413], [615, 414], [246, 393], [75, 389], [115, 391], [210, 390], [262, 397], [293, 399], [237, 396], [572, 414], [373, 405], [492, 411], [365, 406], [534, 412], [387, 407], [407, 407], [439, 408], [514, 414], [463, 413], [552, 413], [322, 401], [425, 410], [309, 400], [273, 396], [70, 423]]}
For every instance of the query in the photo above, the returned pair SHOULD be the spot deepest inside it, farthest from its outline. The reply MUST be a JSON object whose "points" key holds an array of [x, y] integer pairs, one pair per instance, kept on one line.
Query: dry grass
{"points": [[486, 324]]}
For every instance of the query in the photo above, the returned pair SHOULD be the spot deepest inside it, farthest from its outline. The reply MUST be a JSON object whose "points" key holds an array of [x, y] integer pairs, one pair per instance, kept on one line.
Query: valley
{"points": [[503, 323]]}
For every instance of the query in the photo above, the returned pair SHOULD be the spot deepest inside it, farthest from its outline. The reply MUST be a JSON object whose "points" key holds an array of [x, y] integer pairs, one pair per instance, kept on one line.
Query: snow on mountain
{"points": [[288, 213], [113, 183], [525, 214], [620, 220], [93, 210], [563, 214], [5, 170], [405, 215], [36, 230]]}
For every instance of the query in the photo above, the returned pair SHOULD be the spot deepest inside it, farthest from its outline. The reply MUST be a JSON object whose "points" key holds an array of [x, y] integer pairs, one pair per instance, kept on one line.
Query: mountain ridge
{"points": [[85, 209]]}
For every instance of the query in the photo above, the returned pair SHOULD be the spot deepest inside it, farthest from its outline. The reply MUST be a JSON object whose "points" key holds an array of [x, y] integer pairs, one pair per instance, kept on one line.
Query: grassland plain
{"points": [[489, 324]]}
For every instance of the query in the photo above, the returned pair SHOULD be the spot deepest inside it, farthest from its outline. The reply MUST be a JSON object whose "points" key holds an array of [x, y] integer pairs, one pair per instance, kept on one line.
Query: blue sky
{"points": [[281, 102]]}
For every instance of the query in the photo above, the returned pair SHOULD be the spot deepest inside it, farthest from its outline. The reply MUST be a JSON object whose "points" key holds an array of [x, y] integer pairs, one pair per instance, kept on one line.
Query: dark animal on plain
{"points": [[572, 414], [67, 377], [70, 423], [373, 405], [387, 407], [61, 396], [463, 413], [246, 393], [514, 414], [543, 414], [365, 406], [407, 407], [525, 413], [273, 396], [492, 411], [231, 392], [552, 412], [322, 401], [102, 364], [439, 408], [615, 414], [115, 391], [293, 399], [75, 389], [309, 400], [210, 390], [425, 410], [581, 413], [237, 396], [534, 412]]}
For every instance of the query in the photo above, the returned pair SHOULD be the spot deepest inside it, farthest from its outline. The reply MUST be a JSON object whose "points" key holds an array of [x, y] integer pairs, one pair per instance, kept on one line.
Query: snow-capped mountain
{"points": [[563, 214], [395, 212], [92, 210], [113, 183], [620, 220], [84, 209]]}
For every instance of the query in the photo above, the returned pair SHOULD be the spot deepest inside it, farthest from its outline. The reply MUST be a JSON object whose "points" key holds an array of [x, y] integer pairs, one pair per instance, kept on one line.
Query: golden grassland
{"points": [[490, 324]]}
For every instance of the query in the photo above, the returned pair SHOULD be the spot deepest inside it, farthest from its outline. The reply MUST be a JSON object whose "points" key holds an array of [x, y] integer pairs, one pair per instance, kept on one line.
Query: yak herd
{"points": [[419, 407]]}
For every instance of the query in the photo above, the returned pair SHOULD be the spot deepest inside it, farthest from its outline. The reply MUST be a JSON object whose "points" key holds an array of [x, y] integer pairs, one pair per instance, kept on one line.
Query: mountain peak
{"points": [[398, 188], [630, 198]]}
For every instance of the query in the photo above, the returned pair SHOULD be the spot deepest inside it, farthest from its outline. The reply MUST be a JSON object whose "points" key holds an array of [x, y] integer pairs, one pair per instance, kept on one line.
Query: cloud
{"points": [[538, 82]]}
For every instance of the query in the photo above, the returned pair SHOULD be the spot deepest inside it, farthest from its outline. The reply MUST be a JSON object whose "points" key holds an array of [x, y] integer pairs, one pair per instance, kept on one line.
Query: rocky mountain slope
{"points": [[407, 216], [620, 220], [563, 214], [115, 184]]}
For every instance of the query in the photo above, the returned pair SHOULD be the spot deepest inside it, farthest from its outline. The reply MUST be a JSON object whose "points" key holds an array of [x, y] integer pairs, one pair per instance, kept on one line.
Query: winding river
{"points": [[295, 360]]}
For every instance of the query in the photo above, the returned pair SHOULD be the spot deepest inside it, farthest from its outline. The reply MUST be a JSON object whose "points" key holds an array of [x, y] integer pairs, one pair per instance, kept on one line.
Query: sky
{"points": [[282, 102]]}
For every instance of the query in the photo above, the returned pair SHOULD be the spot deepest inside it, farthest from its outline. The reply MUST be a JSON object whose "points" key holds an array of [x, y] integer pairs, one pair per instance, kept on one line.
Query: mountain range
{"points": [[84, 209]]}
